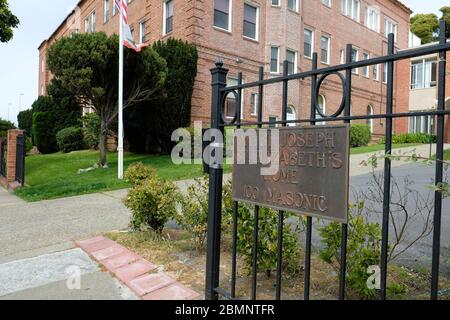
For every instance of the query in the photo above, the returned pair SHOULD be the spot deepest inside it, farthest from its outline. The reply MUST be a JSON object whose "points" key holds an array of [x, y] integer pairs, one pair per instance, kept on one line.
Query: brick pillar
{"points": [[11, 157]]}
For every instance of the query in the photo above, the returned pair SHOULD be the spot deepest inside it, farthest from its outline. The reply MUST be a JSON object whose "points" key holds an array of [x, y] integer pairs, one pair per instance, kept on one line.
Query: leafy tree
{"points": [[425, 26], [5, 125], [87, 67], [171, 110], [25, 120], [8, 21], [66, 109], [446, 16], [43, 133]]}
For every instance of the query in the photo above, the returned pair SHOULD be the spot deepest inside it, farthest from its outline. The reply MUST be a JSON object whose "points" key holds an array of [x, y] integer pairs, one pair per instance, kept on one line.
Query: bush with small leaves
{"points": [[360, 135], [70, 139], [363, 248], [152, 203], [91, 130], [138, 173]]}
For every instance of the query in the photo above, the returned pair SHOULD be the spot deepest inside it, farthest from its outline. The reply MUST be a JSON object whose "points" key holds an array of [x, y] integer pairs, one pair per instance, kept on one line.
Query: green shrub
{"points": [[152, 203], [267, 237], [69, 139], [138, 173], [91, 130], [43, 134], [360, 135], [403, 138], [363, 249], [25, 120], [5, 125], [28, 144]]}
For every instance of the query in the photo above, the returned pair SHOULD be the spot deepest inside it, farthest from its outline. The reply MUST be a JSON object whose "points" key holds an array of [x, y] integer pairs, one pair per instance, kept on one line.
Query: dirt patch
{"points": [[175, 255]]}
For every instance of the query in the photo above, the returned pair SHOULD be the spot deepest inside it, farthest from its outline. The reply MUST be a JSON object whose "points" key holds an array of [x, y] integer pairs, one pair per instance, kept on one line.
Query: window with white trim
{"points": [[276, 3], [327, 3], [308, 43], [106, 11], [423, 73], [376, 72], [168, 17], [365, 70], [230, 102], [274, 60], [93, 21], [325, 49], [86, 25], [373, 18], [355, 58], [254, 104], [369, 121], [222, 14], [390, 26], [142, 31], [291, 115], [421, 124], [385, 72], [342, 56], [293, 5], [351, 9], [291, 58], [321, 102], [251, 21]]}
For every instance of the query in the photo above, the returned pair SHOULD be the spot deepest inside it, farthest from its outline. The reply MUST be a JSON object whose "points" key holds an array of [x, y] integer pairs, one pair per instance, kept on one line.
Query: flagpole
{"points": [[120, 142]]}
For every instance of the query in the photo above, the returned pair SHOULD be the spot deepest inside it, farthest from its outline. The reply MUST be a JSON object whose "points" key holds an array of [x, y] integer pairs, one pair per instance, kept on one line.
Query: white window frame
{"points": [[86, 25], [424, 84], [230, 17], [93, 21], [355, 70], [142, 32], [296, 6], [255, 111], [257, 21], [328, 48], [389, 22], [385, 72], [376, 72], [327, 3], [366, 69], [165, 17], [324, 110], [275, 5], [242, 97], [294, 112], [278, 60], [345, 9], [370, 120], [295, 58], [369, 22], [312, 42], [106, 10]]}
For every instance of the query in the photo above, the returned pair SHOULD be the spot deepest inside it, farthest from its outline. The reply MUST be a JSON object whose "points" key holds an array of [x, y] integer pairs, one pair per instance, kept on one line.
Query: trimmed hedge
{"points": [[411, 138], [360, 135], [43, 134], [69, 139]]}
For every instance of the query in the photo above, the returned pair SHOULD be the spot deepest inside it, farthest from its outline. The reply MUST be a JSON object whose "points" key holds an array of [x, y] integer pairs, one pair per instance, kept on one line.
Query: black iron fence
{"points": [[317, 76], [20, 159], [3, 150]]}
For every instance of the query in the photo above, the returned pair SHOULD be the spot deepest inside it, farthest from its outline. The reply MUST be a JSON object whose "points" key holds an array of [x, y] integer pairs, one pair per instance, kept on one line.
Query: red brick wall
{"points": [[193, 21], [11, 158]]}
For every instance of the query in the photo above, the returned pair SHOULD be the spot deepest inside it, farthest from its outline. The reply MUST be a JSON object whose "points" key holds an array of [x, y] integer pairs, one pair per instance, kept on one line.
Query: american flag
{"points": [[125, 11], [128, 40]]}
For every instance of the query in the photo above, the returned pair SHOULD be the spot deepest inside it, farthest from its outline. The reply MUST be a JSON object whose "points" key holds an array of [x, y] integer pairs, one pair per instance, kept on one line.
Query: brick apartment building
{"points": [[247, 34], [417, 83]]}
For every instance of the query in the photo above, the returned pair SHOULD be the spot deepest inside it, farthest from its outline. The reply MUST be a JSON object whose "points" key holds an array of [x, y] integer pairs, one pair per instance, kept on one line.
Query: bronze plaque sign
{"points": [[312, 177]]}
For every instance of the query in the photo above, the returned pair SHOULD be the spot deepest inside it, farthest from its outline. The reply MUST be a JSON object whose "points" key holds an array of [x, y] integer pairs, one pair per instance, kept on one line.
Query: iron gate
{"points": [[20, 159], [3, 150], [317, 76]]}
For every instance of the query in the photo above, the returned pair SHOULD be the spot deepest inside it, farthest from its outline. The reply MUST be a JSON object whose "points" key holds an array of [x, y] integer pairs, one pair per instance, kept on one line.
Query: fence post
{"points": [[219, 81]]}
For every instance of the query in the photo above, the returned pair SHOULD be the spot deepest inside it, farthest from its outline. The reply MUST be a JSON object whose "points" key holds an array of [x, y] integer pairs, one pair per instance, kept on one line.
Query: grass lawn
{"points": [[447, 154], [56, 175], [380, 147]]}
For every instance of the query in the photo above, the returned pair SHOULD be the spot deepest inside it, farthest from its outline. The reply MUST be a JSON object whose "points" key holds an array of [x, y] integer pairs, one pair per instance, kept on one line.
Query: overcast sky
{"points": [[38, 19]]}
